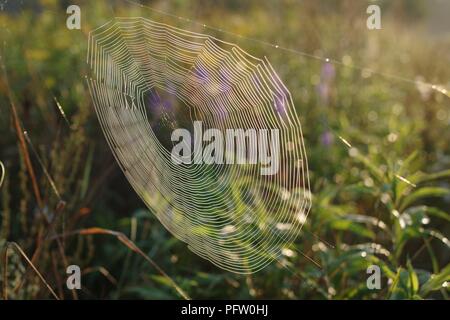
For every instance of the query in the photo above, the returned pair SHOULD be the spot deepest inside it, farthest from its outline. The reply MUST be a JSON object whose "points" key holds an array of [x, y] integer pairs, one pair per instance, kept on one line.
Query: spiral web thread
{"points": [[229, 214]]}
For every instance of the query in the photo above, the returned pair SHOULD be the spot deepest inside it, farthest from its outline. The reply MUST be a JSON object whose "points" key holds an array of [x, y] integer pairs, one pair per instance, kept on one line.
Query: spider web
{"points": [[149, 78]]}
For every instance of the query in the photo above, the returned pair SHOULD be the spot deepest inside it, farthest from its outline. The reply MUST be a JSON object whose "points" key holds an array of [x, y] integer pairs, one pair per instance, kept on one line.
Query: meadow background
{"points": [[362, 212]]}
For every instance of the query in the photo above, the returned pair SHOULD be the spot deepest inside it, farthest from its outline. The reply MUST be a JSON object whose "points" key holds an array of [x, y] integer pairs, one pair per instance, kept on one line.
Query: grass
{"points": [[382, 200]]}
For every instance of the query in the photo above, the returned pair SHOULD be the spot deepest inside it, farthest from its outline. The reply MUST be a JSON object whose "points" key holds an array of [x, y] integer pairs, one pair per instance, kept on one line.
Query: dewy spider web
{"points": [[229, 214]]}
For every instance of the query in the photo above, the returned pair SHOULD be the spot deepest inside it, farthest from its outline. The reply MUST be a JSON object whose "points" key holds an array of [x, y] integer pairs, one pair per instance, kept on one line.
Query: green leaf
{"points": [[433, 176], [348, 225], [437, 235], [436, 281], [426, 192], [437, 213], [87, 172], [374, 170], [408, 163], [431, 211], [359, 189], [395, 289], [414, 280]]}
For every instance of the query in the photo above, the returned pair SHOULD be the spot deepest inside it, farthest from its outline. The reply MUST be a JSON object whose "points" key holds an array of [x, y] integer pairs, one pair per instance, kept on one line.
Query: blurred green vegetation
{"points": [[363, 212]]}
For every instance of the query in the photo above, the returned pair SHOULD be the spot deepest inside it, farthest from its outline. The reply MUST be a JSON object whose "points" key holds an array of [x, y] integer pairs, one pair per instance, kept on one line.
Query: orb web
{"points": [[150, 78]]}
